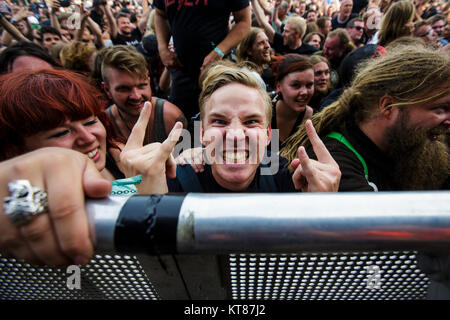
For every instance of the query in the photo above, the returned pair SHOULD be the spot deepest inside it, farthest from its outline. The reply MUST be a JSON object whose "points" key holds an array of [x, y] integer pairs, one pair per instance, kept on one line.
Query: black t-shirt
{"points": [[336, 24], [282, 178], [280, 48], [197, 27], [274, 124], [380, 167], [358, 5], [269, 78], [132, 40]]}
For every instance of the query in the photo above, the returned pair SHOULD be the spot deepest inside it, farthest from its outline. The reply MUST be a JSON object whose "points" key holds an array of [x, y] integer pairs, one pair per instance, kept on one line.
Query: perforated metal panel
{"points": [[312, 276], [328, 276], [105, 277]]}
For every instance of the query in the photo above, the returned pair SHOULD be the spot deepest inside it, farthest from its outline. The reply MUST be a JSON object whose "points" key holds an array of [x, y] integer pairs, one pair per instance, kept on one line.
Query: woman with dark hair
{"points": [[57, 108], [294, 76]]}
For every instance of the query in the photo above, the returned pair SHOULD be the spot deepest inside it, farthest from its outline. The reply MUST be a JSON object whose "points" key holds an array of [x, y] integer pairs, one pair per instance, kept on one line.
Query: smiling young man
{"points": [[127, 84], [255, 47], [236, 113], [122, 30]]}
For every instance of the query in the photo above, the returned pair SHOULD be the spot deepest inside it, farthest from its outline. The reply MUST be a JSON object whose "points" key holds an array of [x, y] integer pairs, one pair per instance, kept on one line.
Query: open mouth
{"points": [[135, 105], [301, 101], [437, 134], [93, 154], [235, 156], [434, 136]]}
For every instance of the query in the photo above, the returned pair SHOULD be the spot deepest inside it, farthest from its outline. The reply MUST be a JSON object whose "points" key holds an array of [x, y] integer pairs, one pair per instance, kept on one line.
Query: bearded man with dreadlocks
{"points": [[387, 132]]}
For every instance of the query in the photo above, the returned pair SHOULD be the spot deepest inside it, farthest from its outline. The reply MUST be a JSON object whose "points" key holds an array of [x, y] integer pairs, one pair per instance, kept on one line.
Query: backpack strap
{"points": [[188, 179], [338, 136]]}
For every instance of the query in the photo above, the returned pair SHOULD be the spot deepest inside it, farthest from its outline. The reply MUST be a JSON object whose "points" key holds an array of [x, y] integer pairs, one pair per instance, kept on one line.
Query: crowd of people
{"points": [[350, 95]]}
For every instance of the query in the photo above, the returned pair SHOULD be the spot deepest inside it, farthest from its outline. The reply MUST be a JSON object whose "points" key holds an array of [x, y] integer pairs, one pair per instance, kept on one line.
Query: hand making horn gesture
{"points": [[153, 161], [310, 175]]}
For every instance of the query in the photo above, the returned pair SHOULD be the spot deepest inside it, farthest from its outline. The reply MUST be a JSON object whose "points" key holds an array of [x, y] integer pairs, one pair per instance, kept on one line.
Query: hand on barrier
{"points": [[310, 175], [153, 161], [61, 235]]}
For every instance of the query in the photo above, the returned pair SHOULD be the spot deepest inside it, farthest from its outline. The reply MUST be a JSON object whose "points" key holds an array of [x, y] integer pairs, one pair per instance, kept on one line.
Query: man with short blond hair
{"points": [[290, 41]]}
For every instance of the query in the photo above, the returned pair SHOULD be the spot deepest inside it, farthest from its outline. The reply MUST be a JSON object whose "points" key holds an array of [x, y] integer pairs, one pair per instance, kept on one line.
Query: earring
{"points": [[279, 95]]}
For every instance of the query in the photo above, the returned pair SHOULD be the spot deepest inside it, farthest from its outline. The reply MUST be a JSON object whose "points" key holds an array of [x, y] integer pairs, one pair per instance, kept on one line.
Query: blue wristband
{"points": [[221, 54]]}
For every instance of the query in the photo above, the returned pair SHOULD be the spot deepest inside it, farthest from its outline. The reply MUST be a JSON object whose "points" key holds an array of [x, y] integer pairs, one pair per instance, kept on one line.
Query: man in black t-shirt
{"points": [[290, 41], [394, 117], [235, 113], [122, 31], [387, 132], [200, 36]]}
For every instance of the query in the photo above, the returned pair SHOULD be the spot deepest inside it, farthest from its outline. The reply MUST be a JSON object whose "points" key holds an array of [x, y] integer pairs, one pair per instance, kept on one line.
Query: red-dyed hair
{"points": [[35, 101], [289, 63]]}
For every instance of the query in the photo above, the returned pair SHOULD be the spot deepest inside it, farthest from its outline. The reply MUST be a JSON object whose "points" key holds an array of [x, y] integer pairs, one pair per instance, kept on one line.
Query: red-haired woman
{"points": [[58, 108], [294, 76]]}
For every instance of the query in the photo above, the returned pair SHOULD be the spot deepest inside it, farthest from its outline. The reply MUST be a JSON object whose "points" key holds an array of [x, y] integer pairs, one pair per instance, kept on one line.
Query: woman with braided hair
{"points": [[387, 130]]}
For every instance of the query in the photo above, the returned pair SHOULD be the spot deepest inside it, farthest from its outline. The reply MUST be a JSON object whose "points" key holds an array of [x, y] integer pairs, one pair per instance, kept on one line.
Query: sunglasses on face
{"points": [[358, 28]]}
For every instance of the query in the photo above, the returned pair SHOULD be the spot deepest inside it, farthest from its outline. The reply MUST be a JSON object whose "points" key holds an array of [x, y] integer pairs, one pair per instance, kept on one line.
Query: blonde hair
{"points": [[298, 24], [315, 59], [393, 23], [75, 56], [220, 75], [407, 74]]}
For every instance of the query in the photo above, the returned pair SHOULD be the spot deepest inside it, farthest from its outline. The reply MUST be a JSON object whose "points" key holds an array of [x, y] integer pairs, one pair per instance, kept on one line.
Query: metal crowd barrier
{"points": [[249, 246]]}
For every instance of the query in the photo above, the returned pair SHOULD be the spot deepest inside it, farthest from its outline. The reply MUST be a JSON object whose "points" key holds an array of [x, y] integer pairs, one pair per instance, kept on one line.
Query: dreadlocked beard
{"points": [[420, 162]]}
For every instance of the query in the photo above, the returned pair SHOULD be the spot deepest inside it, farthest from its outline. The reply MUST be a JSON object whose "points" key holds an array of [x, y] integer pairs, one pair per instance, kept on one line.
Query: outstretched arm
{"points": [[168, 57], [12, 31], [262, 20], [240, 29], [275, 17], [142, 24], [110, 21]]}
